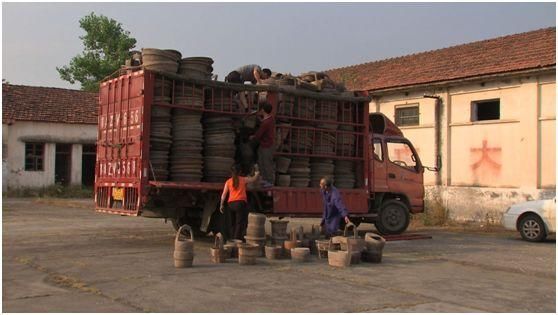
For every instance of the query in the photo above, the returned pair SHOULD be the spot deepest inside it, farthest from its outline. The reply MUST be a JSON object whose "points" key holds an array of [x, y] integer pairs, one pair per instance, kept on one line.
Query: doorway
{"points": [[63, 164], [88, 159]]}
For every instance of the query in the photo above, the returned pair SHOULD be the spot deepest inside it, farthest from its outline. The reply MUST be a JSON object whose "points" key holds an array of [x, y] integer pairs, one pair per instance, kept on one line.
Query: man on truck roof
{"points": [[252, 73]]}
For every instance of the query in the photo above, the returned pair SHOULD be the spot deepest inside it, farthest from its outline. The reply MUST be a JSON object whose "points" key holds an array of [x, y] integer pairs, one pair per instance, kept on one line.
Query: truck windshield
{"points": [[400, 153]]}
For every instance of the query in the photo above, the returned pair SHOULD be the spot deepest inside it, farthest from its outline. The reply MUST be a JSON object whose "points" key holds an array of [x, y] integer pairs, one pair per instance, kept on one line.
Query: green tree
{"points": [[106, 47]]}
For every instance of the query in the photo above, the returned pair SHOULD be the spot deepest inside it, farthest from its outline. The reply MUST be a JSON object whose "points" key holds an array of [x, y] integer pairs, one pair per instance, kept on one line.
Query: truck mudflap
{"points": [[307, 201], [120, 199]]}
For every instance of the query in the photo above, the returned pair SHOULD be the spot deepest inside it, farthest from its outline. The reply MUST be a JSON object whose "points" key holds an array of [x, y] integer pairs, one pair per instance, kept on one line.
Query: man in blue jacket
{"points": [[334, 209]]}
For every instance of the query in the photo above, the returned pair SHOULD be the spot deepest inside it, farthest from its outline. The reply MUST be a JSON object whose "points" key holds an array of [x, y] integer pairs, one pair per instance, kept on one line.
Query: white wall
{"points": [[485, 161], [20, 132]]}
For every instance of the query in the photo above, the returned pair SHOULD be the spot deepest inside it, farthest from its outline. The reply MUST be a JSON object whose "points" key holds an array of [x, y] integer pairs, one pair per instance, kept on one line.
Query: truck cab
{"points": [[395, 177]]}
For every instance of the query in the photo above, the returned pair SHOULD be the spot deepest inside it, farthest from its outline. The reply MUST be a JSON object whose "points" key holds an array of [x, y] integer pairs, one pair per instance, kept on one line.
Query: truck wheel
{"points": [[393, 219], [531, 228]]}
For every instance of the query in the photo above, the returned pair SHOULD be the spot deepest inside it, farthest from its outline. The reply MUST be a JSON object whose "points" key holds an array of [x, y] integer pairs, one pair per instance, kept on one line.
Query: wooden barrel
{"points": [[183, 248], [247, 254]]}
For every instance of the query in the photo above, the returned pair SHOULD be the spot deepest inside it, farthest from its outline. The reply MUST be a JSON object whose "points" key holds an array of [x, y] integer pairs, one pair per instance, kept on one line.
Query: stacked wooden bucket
{"points": [[247, 253], [255, 233], [345, 250]]}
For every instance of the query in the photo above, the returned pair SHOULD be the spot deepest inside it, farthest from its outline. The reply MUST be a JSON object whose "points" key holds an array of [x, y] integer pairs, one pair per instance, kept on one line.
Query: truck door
{"points": [[404, 171], [378, 165]]}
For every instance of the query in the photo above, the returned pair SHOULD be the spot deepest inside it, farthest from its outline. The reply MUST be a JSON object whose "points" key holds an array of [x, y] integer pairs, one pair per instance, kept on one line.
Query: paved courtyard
{"points": [[61, 256]]}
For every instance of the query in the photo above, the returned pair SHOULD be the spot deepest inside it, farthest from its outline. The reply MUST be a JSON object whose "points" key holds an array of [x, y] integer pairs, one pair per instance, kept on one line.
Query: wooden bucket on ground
{"points": [[374, 248], [337, 257], [247, 254], [217, 252], [231, 248], [301, 254], [258, 242], [322, 246], [183, 248], [294, 242], [273, 252]]}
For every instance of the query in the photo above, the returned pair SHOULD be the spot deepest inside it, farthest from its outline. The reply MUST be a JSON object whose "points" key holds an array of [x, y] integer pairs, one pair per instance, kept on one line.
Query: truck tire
{"points": [[531, 228], [393, 218]]}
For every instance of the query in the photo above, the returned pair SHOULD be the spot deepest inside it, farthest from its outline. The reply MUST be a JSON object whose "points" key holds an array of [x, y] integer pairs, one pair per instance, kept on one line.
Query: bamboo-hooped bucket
{"points": [[183, 248], [217, 251], [294, 242], [374, 248], [337, 257], [350, 243], [247, 254]]}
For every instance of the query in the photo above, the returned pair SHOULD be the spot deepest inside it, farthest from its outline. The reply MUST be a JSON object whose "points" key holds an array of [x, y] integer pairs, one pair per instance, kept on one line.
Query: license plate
{"points": [[118, 194]]}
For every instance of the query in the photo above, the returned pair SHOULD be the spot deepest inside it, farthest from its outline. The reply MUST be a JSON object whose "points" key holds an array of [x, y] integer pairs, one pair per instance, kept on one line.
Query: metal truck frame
{"points": [[388, 188]]}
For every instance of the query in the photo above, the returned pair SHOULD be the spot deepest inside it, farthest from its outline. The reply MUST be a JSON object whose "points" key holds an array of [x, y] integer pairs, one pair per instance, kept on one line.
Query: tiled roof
{"points": [[35, 103], [523, 51]]}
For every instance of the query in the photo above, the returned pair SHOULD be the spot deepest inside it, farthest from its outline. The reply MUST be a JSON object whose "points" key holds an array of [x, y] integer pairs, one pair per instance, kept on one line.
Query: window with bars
{"points": [[407, 116], [34, 156]]}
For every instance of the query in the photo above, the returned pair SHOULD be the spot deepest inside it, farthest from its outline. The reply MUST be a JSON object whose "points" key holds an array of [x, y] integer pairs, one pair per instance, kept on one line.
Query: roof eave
{"points": [[446, 83], [11, 121]]}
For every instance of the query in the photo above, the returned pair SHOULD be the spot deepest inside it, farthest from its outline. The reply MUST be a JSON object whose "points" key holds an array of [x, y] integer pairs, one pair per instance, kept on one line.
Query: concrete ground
{"points": [[61, 256]]}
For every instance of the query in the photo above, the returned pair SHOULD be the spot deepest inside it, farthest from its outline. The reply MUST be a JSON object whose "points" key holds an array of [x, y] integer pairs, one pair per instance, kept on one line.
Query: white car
{"points": [[534, 220]]}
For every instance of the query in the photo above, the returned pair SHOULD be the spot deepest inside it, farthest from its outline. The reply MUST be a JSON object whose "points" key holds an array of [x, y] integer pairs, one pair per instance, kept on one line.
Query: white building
{"points": [[486, 110], [48, 136]]}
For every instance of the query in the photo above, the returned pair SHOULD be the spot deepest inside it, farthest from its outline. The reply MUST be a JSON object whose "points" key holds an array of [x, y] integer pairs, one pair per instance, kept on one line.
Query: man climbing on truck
{"points": [[252, 73], [265, 136]]}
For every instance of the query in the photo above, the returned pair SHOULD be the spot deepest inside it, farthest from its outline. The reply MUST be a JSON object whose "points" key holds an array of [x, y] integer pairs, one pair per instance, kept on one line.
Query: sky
{"points": [[286, 37]]}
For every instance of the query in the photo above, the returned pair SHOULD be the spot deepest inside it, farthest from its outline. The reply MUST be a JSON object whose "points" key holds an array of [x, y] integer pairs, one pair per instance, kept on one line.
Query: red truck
{"points": [[317, 132]]}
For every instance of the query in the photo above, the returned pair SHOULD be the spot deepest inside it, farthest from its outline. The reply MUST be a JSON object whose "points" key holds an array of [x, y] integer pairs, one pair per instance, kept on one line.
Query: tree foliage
{"points": [[106, 47]]}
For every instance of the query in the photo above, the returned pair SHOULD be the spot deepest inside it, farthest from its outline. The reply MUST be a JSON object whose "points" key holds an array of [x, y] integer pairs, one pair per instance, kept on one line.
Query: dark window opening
{"points": [[34, 156], [407, 116], [88, 159], [486, 110], [63, 164]]}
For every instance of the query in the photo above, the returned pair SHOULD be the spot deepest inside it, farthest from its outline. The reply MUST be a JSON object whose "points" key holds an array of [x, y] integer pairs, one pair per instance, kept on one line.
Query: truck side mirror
{"points": [[438, 166]]}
